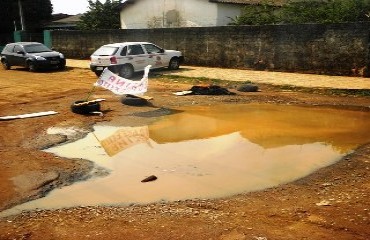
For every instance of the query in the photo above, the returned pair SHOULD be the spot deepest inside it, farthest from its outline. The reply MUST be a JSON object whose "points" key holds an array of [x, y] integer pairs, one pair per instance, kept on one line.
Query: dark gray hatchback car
{"points": [[32, 55]]}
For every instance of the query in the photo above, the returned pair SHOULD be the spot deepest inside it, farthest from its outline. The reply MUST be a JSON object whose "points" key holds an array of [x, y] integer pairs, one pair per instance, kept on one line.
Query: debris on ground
{"points": [[248, 88], [149, 179], [323, 203], [135, 100], [205, 90], [87, 107], [28, 115]]}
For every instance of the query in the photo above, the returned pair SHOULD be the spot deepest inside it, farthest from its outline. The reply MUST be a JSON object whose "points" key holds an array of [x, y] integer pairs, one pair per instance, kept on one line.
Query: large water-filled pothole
{"points": [[208, 152]]}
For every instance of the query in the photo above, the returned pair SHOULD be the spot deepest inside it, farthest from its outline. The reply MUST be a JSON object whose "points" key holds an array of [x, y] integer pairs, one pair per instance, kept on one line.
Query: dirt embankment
{"points": [[330, 204]]}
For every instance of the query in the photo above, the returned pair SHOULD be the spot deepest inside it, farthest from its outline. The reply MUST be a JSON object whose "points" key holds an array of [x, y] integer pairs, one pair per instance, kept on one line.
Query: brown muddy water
{"points": [[207, 152]]}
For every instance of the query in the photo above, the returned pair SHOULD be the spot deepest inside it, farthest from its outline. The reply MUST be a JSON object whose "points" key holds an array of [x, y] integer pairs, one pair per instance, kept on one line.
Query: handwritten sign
{"points": [[125, 138], [120, 86]]}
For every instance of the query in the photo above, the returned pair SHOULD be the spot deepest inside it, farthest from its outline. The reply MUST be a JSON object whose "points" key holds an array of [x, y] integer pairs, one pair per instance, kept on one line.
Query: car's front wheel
{"points": [[5, 64], [174, 64], [61, 67], [126, 71], [31, 66], [98, 73]]}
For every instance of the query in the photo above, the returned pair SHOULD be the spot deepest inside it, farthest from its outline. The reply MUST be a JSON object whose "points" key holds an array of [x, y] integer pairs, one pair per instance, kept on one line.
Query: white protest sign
{"points": [[125, 138], [120, 86]]}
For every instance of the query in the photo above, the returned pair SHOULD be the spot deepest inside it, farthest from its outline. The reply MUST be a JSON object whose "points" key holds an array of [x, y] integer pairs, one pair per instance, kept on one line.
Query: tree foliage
{"points": [[101, 16], [305, 11], [35, 14], [330, 11], [264, 13]]}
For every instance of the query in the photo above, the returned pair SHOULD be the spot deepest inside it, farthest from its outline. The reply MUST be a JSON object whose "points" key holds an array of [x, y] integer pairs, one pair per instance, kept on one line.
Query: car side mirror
{"points": [[162, 50]]}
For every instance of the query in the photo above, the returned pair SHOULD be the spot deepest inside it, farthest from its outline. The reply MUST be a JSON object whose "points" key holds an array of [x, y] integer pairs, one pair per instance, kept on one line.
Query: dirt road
{"points": [[329, 204], [261, 77]]}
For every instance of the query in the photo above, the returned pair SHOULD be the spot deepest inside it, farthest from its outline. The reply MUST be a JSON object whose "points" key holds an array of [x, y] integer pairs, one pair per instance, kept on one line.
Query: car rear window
{"points": [[105, 51], [36, 48]]}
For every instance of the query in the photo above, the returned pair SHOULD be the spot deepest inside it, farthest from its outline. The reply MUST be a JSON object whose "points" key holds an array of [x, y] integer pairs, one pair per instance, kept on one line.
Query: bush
{"points": [[329, 11]]}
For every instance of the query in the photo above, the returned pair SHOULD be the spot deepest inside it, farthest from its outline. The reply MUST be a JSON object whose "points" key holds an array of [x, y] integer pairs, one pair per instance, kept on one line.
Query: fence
{"points": [[337, 49], [23, 36]]}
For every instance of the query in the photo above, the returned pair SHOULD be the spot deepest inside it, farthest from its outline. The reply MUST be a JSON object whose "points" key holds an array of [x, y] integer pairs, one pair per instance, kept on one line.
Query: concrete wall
{"points": [[315, 48]]}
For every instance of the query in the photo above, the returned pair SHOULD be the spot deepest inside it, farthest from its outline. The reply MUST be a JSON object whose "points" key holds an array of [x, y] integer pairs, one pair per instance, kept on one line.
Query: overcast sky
{"points": [[71, 7]]}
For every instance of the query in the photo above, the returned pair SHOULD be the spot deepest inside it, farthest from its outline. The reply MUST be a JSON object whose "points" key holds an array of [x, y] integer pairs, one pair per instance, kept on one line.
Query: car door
{"points": [[156, 56], [137, 56], [10, 55], [18, 56]]}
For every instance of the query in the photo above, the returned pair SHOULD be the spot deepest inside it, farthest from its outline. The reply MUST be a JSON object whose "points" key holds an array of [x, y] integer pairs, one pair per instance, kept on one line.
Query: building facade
{"points": [[141, 14]]}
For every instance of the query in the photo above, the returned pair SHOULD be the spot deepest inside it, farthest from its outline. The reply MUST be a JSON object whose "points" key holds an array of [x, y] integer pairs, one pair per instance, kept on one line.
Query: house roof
{"points": [[70, 19], [250, 2], [69, 22]]}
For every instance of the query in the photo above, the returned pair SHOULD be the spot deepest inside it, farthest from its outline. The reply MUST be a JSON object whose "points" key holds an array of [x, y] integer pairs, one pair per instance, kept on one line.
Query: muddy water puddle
{"points": [[208, 152]]}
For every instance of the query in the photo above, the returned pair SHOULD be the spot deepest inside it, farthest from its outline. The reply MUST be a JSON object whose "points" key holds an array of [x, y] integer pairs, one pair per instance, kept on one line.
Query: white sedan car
{"points": [[128, 57]]}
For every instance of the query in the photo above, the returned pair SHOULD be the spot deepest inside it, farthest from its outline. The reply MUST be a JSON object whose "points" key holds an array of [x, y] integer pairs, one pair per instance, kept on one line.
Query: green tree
{"points": [[264, 13], [306, 11], [303, 12], [330, 11], [7, 15], [35, 13], [101, 16]]}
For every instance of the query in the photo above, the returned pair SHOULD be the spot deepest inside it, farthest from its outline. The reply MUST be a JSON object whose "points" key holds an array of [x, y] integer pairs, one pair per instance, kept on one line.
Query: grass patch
{"points": [[327, 91]]}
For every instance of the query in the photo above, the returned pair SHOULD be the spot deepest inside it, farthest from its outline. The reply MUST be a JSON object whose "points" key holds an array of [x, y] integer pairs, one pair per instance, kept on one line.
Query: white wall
{"points": [[189, 13]]}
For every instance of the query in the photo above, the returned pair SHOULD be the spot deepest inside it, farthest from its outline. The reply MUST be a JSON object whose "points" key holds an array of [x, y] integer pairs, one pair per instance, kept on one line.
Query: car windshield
{"points": [[35, 48], [106, 51]]}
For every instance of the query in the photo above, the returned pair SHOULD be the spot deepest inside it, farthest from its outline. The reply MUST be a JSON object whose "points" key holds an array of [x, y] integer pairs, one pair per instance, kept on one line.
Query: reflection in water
{"points": [[208, 152], [267, 125]]}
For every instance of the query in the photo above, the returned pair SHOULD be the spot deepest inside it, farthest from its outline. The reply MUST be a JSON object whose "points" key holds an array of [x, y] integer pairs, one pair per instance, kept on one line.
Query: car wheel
{"points": [[32, 66], [132, 100], [114, 69], [5, 64], [126, 71], [98, 73], [174, 64], [61, 67], [85, 108]]}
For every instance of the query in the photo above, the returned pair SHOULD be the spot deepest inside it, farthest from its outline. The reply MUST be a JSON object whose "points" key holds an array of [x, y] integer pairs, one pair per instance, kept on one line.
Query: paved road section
{"points": [[275, 78]]}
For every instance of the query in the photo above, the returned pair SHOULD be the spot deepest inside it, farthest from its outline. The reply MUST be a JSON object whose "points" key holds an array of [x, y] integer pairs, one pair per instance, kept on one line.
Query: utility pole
{"points": [[163, 16], [21, 14]]}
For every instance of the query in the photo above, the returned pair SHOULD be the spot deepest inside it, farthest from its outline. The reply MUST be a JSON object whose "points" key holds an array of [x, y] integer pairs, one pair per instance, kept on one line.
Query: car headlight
{"points": [[61, 55], [40, 58]]}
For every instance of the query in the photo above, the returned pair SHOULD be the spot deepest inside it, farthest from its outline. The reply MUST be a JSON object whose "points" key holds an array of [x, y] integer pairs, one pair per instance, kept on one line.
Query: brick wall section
{"points": [[316, 48]]}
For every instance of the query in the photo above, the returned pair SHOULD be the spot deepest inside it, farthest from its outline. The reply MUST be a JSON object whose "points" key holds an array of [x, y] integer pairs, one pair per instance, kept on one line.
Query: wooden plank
{"points": [[28, 115], [143, 97], [89, 102]]}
